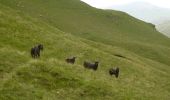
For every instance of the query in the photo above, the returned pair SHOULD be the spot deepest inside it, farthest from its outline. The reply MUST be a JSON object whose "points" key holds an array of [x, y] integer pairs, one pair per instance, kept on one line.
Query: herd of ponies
{"points": [[35, 53]]}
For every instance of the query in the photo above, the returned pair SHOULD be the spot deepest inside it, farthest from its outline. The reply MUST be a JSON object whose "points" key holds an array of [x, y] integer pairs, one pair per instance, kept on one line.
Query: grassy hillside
{"points": [[144, 72], [164, 28], [109, 27]]}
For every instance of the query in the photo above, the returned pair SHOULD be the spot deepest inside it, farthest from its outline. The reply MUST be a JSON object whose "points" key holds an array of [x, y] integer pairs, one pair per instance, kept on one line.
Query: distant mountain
{"points": [[164, 28], [145, 11]]}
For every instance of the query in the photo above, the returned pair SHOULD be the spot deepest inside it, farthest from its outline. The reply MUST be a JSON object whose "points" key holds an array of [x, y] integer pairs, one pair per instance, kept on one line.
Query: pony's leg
{"points": [[38, 53], [33, 56]]}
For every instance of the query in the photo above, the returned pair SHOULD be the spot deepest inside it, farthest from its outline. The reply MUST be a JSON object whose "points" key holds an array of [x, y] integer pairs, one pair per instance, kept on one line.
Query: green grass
{"points": [[103, 26], [144, 74]]}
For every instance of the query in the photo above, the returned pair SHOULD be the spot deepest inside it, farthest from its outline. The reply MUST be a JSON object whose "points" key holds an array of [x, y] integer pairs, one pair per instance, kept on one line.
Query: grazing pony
{"points": [[89, 65], [115, 72], [71, 60], [35, 51]]}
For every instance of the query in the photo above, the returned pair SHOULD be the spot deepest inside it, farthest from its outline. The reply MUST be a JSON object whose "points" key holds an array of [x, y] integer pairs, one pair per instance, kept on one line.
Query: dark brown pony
{"points": [[89, 65], [35, 51], [71, 60], [115, 72]]}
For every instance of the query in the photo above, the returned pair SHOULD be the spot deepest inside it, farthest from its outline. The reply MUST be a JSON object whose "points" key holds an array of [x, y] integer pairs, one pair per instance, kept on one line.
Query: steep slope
{"points": [[109, 27], [78, 18], [50, 78], [164, 27]]}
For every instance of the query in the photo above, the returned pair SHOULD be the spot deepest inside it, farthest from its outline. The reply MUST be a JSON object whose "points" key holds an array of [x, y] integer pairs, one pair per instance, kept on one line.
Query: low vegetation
{"points": [[141, 53]]}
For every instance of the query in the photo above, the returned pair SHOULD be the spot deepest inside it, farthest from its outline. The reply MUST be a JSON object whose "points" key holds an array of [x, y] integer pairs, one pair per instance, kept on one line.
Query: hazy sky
{"points": [[109, 3]]}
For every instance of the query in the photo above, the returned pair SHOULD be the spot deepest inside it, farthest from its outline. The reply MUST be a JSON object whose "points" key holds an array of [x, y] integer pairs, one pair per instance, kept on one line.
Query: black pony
{"points": [[115, 72], [89, 65], [35, 51], [71, 60]]}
